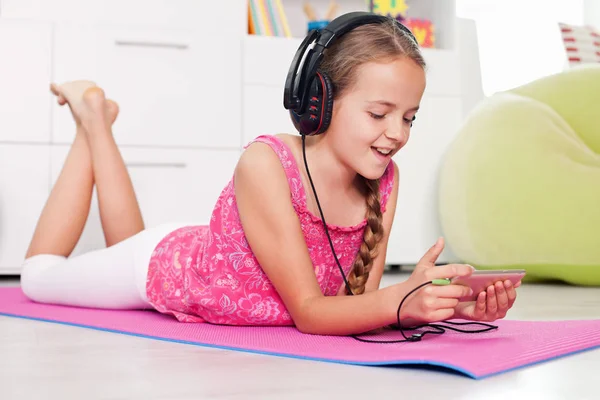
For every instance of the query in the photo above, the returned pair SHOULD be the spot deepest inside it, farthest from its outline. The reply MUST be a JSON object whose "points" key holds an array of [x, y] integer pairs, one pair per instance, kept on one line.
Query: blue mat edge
{"points": [[328, 360]]}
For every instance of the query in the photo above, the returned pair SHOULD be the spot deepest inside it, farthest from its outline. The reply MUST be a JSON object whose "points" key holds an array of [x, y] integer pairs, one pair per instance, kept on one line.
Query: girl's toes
{"points": [[60, 99], [112, 110]]}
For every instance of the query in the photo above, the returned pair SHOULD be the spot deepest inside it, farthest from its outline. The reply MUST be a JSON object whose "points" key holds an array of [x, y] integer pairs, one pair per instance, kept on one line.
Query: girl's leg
{"points": [[101, 164], [104, 278], [66, 211], [120, 213], [113, 277], [64, 215]]}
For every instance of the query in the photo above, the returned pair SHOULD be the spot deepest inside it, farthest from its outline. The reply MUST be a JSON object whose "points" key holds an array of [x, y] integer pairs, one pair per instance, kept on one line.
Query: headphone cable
{"points": [[348, 288], [437, 329]]}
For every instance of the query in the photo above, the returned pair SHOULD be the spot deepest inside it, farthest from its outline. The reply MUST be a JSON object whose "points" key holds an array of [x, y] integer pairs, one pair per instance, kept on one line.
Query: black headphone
{"points": [[308, 92]]}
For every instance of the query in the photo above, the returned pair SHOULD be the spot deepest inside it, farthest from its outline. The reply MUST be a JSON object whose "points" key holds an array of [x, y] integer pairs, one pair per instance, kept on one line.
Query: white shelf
{"points": [[442, 13]]}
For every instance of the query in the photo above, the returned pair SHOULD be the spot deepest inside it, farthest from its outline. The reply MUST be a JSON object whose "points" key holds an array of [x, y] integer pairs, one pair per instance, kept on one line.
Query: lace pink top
{"points": [[209, 274]]}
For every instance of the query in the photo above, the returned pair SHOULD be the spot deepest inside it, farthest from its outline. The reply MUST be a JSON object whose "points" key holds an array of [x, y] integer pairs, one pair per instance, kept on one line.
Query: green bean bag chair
{"points": [[519, 186]]}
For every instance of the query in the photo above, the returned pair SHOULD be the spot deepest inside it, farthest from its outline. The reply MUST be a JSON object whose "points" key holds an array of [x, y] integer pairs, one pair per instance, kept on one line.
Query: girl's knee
{"points": [[33, 271]]}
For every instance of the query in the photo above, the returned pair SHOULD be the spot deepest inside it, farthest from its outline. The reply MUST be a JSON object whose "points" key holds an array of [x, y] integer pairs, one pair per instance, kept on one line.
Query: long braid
{"points": [[373, 233]]}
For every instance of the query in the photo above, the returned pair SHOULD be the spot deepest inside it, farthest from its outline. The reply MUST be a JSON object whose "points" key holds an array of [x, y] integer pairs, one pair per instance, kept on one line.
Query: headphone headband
{"points": [[296, 83]]}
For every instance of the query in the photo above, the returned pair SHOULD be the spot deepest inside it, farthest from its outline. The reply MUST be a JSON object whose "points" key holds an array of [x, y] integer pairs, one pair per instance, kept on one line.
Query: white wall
{"points": [[519, 40], [591, 13], [470, 71]]}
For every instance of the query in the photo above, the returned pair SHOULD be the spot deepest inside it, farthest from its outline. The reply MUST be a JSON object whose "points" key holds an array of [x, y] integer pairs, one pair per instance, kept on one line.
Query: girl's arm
{"points": [[274, 233]]}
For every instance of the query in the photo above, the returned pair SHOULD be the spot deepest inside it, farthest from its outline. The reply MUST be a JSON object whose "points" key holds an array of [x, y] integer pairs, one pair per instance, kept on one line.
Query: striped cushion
{"points": [[582, 44]]}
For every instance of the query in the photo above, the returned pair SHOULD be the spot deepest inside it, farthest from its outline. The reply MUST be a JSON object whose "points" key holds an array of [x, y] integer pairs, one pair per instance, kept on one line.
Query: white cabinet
{"points": [[264, 83], [171, 186], [175, 87], [267, 59], [171, 13], [23, 193], [264, 112], [416, 226], [174, 69], [25, 54], [443, 72], [192, 89]]}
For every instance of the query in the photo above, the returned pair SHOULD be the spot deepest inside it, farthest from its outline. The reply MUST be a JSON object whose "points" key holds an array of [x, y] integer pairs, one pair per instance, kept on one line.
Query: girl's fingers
{"points": [[480, 305], [510, 292], [501, 297], [449, 291], [442, 314], [448, 271], [492, 304], [442, 303]]}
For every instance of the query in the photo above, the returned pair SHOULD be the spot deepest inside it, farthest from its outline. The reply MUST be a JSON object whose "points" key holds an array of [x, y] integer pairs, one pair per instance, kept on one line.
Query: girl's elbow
{"points": [[305, 328], [309, 327], [304, 318]]}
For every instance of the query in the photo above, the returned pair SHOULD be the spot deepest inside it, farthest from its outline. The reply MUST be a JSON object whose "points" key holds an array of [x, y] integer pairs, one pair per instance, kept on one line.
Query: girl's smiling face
{"points": [[372, 120]]}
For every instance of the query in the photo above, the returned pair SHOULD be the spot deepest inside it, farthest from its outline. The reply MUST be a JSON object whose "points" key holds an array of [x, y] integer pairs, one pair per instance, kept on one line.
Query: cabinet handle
{"points": [[155, 165], [178, 46]]}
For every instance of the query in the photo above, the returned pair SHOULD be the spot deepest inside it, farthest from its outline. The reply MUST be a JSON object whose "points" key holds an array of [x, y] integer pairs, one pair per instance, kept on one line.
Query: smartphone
{"points": [[481, 279]]}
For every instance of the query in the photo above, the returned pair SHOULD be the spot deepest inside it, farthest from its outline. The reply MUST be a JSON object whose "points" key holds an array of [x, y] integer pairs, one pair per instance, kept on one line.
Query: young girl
{"points": [[265, 258]]}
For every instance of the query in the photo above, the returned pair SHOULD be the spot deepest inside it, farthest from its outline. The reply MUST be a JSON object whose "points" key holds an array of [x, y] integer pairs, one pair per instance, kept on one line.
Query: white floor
{"points": [[50, 361]]}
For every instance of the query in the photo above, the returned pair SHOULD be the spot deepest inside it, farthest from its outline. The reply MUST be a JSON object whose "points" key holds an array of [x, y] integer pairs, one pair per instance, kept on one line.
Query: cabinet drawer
{"points": [[25, 50], [175, 88], [24, 189], [171, 186]]}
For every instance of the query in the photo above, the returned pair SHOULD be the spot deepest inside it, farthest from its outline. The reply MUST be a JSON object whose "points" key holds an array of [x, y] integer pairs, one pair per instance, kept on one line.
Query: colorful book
{"points": [[267, 18]]}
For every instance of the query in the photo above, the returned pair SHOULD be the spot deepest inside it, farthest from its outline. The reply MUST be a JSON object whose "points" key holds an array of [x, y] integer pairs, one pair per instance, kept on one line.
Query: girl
{"points": [[265, 257]]}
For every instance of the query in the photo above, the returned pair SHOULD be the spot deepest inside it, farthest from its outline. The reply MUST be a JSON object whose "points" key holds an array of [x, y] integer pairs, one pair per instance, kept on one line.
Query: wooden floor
{"points": [[50, 361]]}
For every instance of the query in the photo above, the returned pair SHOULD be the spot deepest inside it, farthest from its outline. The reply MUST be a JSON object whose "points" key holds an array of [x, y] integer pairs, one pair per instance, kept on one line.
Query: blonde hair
{"points": [[367, 43]]}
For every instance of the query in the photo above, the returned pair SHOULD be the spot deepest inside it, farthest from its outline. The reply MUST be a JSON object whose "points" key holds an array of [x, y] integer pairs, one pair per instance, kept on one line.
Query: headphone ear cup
{"points": [[327, 102], [308, 121], [296, 121], [317, 116]]}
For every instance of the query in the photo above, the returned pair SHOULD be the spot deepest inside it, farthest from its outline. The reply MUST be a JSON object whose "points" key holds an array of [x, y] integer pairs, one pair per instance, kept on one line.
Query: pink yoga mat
{"points": [[515, 344]]}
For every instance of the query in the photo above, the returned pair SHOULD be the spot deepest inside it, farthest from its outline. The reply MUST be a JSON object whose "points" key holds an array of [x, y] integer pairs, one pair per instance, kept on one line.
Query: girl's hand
{"points": [[433, 303], [490, 305]]}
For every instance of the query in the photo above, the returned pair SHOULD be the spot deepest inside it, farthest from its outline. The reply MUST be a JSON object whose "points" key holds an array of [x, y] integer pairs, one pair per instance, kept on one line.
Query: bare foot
{"points": [[72, 93], [94, 107]]}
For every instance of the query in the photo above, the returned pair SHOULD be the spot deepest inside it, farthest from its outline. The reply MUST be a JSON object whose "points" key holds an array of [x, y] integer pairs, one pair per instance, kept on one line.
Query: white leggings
{"points": [[113, 277]]}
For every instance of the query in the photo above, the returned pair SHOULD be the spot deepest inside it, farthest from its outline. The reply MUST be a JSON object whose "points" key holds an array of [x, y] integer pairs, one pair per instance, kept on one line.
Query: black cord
{"points": [[323, 217], [436, 329]]}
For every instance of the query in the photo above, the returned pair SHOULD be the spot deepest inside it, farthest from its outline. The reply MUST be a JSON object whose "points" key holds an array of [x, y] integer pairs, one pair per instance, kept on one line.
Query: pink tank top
{"points": [[209, 273]]}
